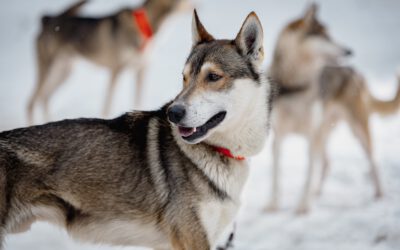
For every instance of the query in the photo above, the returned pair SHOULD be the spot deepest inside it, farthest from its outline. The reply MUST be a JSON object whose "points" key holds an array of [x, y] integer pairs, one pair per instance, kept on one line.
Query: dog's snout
{"points": [[348, 52], [176, 113]]}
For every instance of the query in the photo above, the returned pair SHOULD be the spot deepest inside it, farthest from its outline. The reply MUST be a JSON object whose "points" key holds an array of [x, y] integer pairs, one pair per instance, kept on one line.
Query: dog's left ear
{"points": [[199, 33], [250, 39]]}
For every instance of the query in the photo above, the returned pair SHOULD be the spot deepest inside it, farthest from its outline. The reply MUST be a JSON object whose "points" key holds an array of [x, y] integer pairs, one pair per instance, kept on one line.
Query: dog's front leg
{"points": [[190, 237], [111, 89], [276, 147], [140, 77], [304, 203]]}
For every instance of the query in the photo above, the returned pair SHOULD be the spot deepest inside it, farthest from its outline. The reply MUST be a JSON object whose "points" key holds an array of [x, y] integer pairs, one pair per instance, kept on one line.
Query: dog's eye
{"points": [[211, 77], [184, 78]]}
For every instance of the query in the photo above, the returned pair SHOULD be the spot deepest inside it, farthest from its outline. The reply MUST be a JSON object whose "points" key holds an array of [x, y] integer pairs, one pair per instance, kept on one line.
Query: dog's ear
{"points": [[310, 14], [199, 33], [250, 39]]}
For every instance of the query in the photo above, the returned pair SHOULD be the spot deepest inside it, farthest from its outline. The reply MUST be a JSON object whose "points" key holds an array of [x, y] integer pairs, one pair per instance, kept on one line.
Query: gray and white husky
{"points": [[166, 179], [315, 92]]}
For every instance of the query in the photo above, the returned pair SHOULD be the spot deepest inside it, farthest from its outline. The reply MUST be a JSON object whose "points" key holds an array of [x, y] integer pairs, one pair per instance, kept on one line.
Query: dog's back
{"points": [[345, 87], [335, 81], [100, 39]]}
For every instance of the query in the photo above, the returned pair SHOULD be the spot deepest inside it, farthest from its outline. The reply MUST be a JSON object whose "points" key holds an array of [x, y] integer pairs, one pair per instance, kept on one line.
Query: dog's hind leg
{"points": [[324, 170], [322, 140], [110, 92], [360, 128], [274, 200], [313, 154]]}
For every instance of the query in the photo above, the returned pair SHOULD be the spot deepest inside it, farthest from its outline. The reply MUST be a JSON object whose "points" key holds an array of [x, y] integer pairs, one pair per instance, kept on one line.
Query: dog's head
{"points": [[307, 35], [220, 81]]}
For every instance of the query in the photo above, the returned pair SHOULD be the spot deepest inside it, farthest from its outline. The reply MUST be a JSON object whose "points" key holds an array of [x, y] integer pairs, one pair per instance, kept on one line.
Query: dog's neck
{"points": [[158, 11], [247, 136], [244, 138]]}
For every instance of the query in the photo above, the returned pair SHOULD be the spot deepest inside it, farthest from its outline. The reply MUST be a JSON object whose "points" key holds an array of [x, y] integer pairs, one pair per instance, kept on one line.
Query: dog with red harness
{"points": [[115, 42]]}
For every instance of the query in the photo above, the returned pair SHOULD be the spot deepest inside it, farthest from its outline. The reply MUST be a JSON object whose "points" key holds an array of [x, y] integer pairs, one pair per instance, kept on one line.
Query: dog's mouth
{"points": [[193, 133]]}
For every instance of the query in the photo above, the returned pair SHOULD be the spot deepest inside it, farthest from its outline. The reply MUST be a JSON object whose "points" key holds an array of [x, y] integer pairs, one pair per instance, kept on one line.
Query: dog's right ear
{"points": [[250, 39], [311, 13], [199, 33]]}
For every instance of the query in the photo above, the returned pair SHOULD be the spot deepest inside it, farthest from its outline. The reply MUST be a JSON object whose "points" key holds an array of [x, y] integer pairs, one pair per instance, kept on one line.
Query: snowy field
{"points": [[344, 218]]}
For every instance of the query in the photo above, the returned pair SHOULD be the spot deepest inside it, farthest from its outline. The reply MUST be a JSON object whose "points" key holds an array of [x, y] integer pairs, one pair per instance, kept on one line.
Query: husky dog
{"points": [[170, 178], [309, 102], [115, 42]]}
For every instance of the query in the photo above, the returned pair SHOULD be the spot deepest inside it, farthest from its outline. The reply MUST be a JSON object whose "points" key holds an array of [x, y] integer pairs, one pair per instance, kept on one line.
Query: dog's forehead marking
{"points": [[224, 56], [210, 52], [207, 65]]}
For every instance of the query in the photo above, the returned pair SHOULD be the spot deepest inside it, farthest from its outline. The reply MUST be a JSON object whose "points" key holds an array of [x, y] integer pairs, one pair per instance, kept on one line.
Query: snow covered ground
{"points": [[345, 217]]}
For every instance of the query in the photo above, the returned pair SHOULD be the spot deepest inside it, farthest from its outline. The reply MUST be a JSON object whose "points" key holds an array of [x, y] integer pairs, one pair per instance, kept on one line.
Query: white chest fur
{"points": [[215, 214]]}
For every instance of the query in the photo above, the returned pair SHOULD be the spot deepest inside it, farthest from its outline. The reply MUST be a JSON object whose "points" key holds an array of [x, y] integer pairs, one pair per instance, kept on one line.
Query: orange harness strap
{"points": [[141, 20], [226, 152]]}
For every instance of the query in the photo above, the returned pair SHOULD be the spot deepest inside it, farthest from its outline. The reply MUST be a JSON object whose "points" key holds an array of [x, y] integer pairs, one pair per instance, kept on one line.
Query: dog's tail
{"points": [[386, 107], [73, 9], [70, 11]]}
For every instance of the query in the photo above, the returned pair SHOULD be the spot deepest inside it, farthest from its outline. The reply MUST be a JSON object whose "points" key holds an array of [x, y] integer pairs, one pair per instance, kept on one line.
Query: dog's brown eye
{"points": [[184, 78], [211, 77]]}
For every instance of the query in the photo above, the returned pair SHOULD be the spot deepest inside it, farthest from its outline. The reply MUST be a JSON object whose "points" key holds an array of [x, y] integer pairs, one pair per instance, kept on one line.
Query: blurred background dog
{"points": [[115, 41], [314, 93]]}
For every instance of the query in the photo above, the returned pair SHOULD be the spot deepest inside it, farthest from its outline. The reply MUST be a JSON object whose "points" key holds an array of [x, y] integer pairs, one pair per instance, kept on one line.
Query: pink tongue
{"points": [[185, 132]]}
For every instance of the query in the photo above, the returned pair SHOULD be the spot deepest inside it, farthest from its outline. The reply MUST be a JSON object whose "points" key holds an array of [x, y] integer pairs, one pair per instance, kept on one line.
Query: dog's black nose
{"points": [[176, 113]]}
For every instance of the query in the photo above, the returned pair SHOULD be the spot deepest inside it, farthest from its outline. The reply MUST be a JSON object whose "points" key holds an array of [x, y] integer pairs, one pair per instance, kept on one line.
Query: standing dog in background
{"points": [[314, 93], [140, 179], [115, 42]]}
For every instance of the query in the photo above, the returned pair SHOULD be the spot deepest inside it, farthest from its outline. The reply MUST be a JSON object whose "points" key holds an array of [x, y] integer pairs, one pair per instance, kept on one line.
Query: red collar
{"points": [[226, 152], [141, 19]]}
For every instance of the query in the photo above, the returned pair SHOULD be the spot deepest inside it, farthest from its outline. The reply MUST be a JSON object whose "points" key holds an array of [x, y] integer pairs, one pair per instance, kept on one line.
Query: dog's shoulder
{"points": [[138, 121]]}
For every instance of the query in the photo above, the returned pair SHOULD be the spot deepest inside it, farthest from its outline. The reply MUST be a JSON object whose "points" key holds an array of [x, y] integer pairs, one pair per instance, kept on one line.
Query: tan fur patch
{"points": [[295, 25], [202, 83]]}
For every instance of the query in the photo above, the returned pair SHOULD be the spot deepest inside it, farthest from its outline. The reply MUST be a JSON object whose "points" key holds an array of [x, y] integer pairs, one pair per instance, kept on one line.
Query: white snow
{"points": [[345, 217]]}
